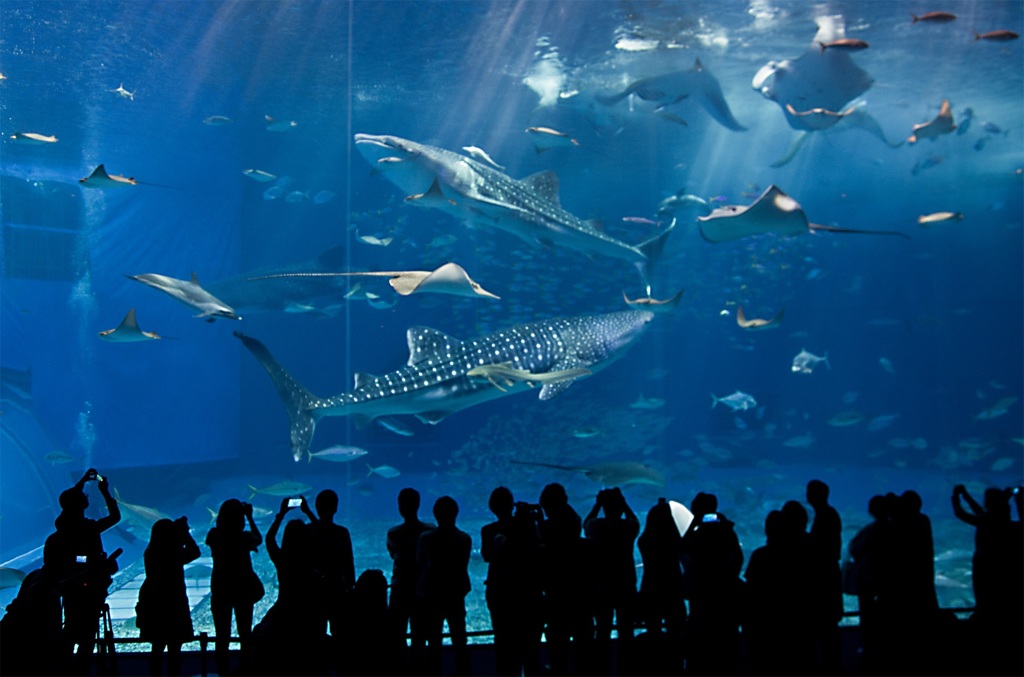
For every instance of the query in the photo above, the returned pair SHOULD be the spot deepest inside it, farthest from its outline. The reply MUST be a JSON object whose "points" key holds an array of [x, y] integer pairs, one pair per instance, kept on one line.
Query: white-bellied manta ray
{"points": [[816, 89], [482, 196], [436, 382], [671, 88]]}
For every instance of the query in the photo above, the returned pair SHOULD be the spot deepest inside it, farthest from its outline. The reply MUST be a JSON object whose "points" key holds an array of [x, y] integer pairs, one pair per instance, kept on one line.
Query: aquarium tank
{"points": [[263, 249]]}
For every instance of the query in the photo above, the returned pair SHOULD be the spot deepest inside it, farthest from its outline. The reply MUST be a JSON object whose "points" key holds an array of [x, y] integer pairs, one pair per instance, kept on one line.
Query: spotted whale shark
{"points": [[483, 196], [436, 382]]}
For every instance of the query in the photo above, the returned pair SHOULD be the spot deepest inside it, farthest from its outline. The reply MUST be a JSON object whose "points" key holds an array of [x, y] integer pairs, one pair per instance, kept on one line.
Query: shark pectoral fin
{"points": [[432, 417], [551, 389]]}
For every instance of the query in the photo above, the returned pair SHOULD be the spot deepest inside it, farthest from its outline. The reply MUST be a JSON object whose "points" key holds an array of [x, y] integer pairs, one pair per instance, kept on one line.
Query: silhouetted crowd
{"points": [[550, 574]]}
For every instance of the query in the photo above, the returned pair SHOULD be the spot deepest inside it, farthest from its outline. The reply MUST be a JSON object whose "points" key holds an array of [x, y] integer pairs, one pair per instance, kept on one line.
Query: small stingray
{"points": [[450, 278], [128, 331], [756, 323], [654, 305], [942, 124], [100, 179], [612, 473], [818, 80], [504, 374], [671, 88], [772, 212]]}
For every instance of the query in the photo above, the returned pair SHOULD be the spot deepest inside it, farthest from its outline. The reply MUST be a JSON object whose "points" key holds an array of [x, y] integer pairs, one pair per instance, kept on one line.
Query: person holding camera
{"points": [[234, 586], [511, 548], [615, 570], [75, 558], [162, 613]]}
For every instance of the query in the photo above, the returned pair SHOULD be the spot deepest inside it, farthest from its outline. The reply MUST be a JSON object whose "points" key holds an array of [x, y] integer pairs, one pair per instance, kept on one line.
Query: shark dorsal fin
{"points": [[363, 379], [195, 279], [425, 343], [545, 183]]}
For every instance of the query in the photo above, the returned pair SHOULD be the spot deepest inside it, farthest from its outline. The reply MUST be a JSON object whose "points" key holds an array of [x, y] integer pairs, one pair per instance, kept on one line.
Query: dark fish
{"points": [[997, 36], [934, 17], [845, 44]]}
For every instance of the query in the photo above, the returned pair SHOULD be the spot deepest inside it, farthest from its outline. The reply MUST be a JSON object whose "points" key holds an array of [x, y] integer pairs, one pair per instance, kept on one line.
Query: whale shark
{"points": [[483, 196], [435, 381]]}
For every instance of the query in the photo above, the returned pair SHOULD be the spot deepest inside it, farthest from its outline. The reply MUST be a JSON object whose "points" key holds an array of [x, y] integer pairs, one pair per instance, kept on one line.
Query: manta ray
{"points": [[772, 212], [450, 278], [756, 323], [654, 305], [100, 179], [815, 90], [435, 382], [671, 88], [128, 331]]}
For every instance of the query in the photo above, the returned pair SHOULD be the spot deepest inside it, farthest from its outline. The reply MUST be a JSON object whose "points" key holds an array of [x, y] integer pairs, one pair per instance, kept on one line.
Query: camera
{"points": [[81, 559], [294, 502], [710, 518]]}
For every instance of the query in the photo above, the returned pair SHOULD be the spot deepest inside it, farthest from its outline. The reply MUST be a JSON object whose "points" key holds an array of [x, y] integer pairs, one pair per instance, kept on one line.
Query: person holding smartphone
{"points": [[75, 558]]}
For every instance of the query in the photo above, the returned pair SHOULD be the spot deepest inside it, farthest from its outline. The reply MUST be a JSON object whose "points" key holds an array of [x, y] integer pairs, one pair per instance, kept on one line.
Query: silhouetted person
{"points": [[998, 575], [712, 561], [332, 546], [31, 628], [566, 579], [871, 551], [511, 548], [826, 550], [661, 602], [162, 613], [612, 537], [403, 607], [368, 649], [234, 586], [291, 637], [443, 555], [80, 566]]}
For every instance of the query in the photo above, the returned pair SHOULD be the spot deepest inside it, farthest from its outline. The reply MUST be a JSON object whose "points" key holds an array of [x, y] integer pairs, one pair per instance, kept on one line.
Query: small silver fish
{"points": [[805, 362]]}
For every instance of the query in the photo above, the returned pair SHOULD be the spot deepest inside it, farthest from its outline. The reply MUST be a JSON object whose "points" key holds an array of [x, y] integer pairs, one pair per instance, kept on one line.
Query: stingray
{"points": [[772, 212], [671, 88], [756, 323], [100, 179], [505, 374], [652, 304], [818, 79], [612, 473], [450, 278], [128, 331]]}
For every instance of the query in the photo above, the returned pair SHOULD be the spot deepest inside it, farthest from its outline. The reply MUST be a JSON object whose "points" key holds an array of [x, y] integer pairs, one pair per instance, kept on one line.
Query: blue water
{"points": [[182, 423]]}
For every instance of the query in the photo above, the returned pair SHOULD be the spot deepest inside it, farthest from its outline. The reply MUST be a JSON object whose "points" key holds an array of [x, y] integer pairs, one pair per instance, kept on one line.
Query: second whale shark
{"points": [[483, 196], [436, 381]]}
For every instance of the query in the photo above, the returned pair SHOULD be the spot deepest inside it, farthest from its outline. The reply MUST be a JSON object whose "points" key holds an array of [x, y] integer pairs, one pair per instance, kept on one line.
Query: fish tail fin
{"points": [[714, 401], [652, 250], [254, 492], [370, 467], [827, 363], [823, 46], [298, 402]]}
